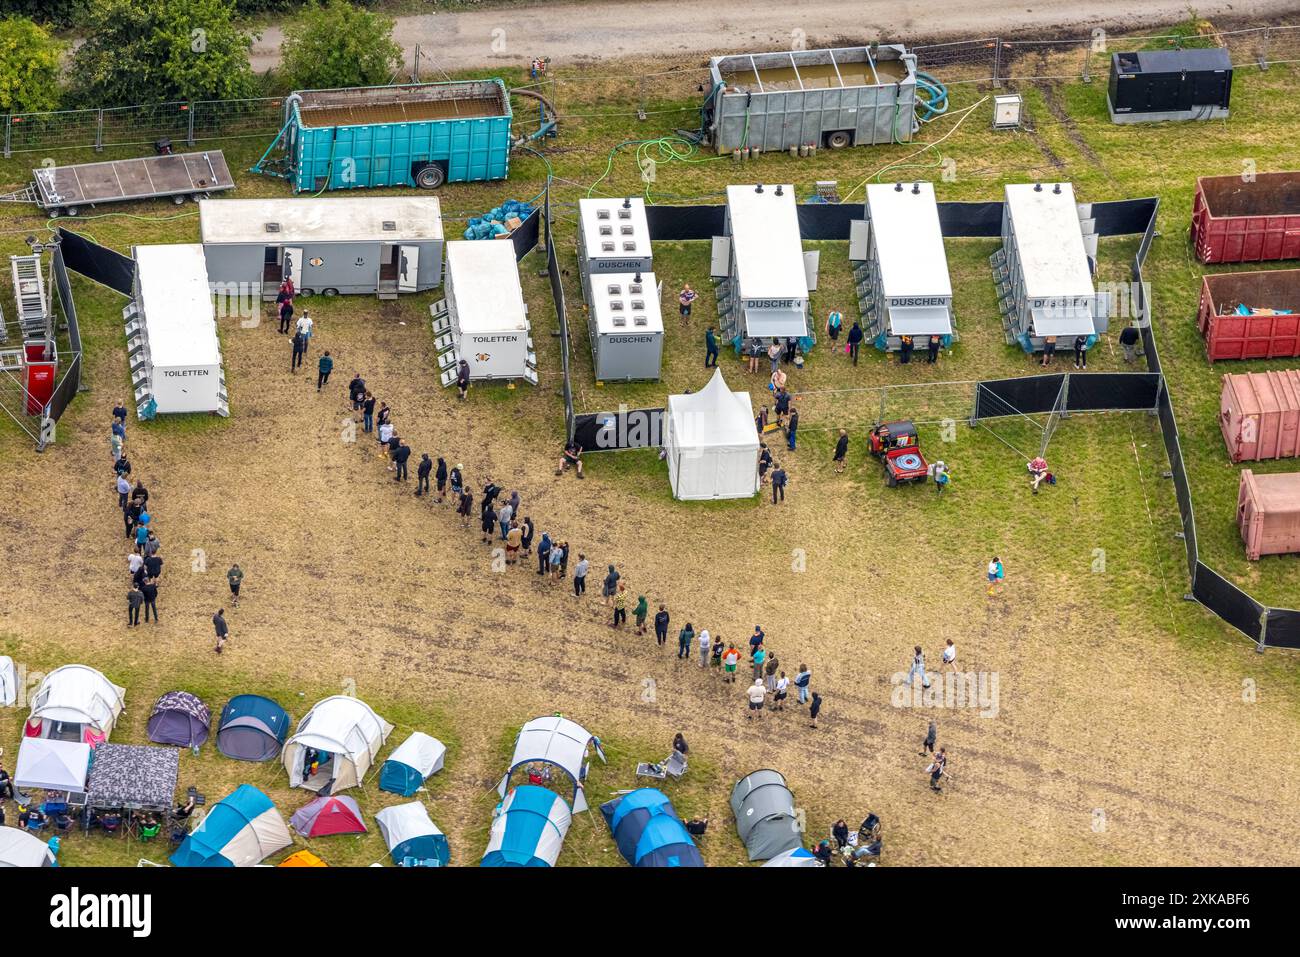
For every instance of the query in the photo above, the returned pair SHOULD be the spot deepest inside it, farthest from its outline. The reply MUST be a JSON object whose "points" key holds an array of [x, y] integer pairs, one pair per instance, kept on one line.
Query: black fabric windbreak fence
{"points": [[525, 237], [66, 309], [103, 265], [561, 314], [616, 431]]}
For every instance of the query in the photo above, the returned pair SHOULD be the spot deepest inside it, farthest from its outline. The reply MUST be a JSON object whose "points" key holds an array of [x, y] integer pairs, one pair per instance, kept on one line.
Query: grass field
{"points": [[1127, 718]]}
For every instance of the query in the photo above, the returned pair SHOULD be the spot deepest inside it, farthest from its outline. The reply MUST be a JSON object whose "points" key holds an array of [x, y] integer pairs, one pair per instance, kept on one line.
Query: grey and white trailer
{"points": [[484, 319], [764, 271], [376, 245], [171, 333], [613, 237], [626, 326], [903, 284], [1044, 269]]}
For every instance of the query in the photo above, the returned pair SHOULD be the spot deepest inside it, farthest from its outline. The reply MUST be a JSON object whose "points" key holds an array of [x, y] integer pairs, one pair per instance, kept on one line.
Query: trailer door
{"points": [[408, 268], [293, 265]]}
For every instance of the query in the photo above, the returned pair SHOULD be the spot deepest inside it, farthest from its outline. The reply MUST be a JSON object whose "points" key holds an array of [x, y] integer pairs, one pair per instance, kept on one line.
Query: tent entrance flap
{"points": [[1062, 322], [919, 321], [775, 323]]}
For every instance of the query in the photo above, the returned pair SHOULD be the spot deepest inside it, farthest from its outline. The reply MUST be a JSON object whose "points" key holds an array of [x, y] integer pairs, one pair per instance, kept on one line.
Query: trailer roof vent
{"points": [[638, 304], [634, 287], [629, 245], [626, 229], [614, 289], [640, 321], [616, 305], [620, 321], [607, 246], [625, 213], [389, 226], [272, 227], [607, 230], [602, 214]]}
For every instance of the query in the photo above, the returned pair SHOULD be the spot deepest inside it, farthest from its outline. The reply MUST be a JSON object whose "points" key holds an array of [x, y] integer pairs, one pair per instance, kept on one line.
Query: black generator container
{"points": [[1155, 85]]}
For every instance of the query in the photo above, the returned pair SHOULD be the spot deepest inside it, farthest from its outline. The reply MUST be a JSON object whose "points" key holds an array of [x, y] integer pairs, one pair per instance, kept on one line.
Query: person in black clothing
{"points": [[841, 450], [487, 521], [140, 575], [782, 405], [123, 465], [356, 390], [440, 478], [152, 566], [219, 624], [679, 744], [661, 625], [385, 414], [464, 505], [778, 483], [1081, 352], [299, 350], [824, 853], [286, 311], [400, 455], [129, 513], [368, 413], [422, 474], [6, 785], [150, 591], [140, 493], [905, 347], [935, 343], [840, 831], [526, 529], [490, 493], [394, 443], [1128, 340], [764, 462], [815, 708], [119, 412], [855, 341], [462, 378], [134, 599]]}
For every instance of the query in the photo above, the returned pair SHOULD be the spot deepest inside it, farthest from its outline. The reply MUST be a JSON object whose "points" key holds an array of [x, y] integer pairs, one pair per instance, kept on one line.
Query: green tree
{"points": [[149, 51], [29, 67], [336, 44]]}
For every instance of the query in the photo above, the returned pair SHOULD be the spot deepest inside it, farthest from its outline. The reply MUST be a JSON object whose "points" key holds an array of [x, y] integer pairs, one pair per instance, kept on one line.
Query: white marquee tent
{"points": [[712, 443], [77, 703], [19, 849], [557, 742], [44, 763], [347, 736]]}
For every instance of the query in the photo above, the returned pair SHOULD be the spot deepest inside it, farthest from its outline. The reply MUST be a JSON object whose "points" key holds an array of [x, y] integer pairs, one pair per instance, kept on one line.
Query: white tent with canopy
{"points": [[75, 703], [20, 849], [52, 765], [557, 742], [712, 443], [342, 736]]}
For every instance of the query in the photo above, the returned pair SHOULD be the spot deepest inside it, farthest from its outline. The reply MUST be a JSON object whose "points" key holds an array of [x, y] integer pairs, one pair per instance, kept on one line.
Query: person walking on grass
{"points": [[685, 300], [400, 455], [834, 322], [440, 480], [801, 681], [514, 536], [367, 413], [661, 625], [841, 450], [526, 529], [754, 695], [504, 516], [780, 689], [855, 341], [134, 599], [1049, 350], [305, 326], [464, 506], [462, 379], [715, 656], [456, 480], [931, 736], [705, 645], [792, 428], [286, 312], [815, 708], [223, 632], [610, 586], [995, 574], [422, 472], [560, 561], [760, 656], [620, 606], [950, 655], [356, 391], [488, 526], [710, 348], [684, 639], [324, 367], [235, 577], [150, 591], [1081, 352], [937, 768], [639, 612], [770, 668], [779, 481], [730, 662], [299, 350], [774, 356], [933, 348], [1128, 341], [543, 553], [918, 668], [764, 462], [580, 576]]}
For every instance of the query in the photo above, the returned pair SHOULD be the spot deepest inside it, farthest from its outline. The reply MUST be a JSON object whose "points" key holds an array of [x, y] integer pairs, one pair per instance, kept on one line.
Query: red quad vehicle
{"points": [[894, 443]]}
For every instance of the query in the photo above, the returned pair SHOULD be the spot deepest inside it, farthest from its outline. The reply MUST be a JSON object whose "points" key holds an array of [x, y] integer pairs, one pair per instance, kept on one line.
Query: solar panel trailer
{"points": [[66, 190]]}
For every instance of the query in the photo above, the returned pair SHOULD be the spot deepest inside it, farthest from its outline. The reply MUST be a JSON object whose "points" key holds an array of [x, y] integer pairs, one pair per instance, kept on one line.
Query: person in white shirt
{"points": [[123, 491], [950, 655], [782, 689], [304, 326], [133, 562], [705, 644], [755, 693], [918, 668]]}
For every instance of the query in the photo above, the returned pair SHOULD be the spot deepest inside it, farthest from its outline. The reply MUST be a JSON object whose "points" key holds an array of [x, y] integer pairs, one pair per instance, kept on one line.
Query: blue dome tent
{"points": [[252, 728], [528, 830], [412, 837], [410, 763], [648, 831], [241, 830]]}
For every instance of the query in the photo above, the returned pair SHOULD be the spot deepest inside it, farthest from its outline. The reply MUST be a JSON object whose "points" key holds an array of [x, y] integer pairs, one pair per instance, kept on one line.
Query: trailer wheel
{"points": [[430, 177], [70, 211], [179, 199], [329, 292], [305, 293], [839, 139]]}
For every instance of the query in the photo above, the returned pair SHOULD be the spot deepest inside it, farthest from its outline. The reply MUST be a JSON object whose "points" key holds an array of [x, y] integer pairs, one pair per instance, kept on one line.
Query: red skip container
{"points": [[1229, 335], [1259, 413], [1235, 221], [1268, 513]]}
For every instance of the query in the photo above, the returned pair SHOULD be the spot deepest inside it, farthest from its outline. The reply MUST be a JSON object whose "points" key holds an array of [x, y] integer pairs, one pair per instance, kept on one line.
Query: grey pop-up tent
{"points": [[765, 817], [179, 718]]}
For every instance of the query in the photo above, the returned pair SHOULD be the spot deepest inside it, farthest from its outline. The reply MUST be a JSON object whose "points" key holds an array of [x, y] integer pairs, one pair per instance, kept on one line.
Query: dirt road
{"points": [[569, 32]]}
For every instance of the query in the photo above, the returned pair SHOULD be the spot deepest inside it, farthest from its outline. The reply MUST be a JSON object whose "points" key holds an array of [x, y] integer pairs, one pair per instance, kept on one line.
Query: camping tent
{"points": [[8, 682], [409, 833], [556, 742], [179, 718], [410, 763], [75, 703], [52, 765], [20, 849], [764, 810], [324, 816], [712, 443], [252, 728], [528, 830], [795, 857], [241, 830], [342, 735], [302, 859], [648, 831]]}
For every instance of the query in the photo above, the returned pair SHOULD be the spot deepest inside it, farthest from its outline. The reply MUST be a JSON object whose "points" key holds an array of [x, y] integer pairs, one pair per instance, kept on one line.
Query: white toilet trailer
{"points": [[171, 333], [484, 319], [625, 325], [613, 237], [765, 281], [376, 245], [1043, 270], [904, 285]]}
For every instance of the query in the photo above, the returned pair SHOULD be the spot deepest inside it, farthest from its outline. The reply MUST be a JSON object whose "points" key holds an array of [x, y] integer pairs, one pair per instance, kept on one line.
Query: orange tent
{"points": [[302, 859]]}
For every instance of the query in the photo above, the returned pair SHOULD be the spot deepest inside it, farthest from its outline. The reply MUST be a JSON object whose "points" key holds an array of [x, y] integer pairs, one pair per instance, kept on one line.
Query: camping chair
{"points": [[148, 833], [648, 770], [675, 766]]}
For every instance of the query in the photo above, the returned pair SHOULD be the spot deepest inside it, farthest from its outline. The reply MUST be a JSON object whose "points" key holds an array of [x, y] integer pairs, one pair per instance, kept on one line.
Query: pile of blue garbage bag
{"points": [[493, 223]]}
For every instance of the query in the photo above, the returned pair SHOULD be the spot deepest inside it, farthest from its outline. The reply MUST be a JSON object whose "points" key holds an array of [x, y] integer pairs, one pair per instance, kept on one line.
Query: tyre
{"points": [[430, 177], [329, 292], [839, 139], [890, 480], [306, 292]]}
